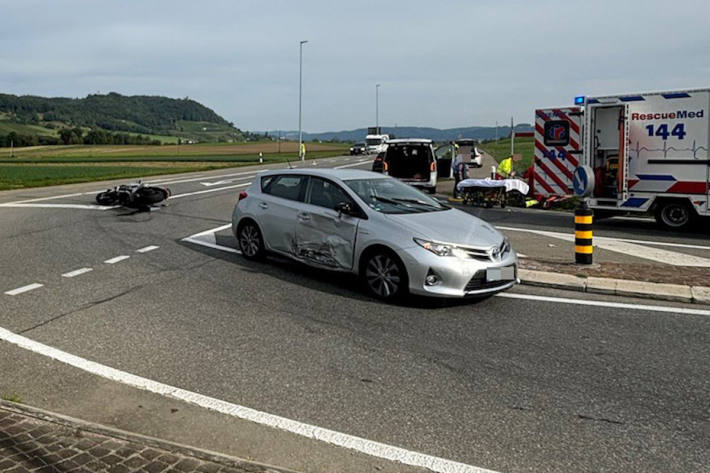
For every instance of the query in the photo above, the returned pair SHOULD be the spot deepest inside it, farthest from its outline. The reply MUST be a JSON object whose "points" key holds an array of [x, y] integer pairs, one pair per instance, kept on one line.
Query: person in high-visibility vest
{"points": [[505, 168], [303, 150]]}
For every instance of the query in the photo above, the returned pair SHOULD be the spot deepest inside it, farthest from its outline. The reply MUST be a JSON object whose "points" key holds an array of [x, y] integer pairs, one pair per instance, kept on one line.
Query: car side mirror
{"points": [[343, 208]]}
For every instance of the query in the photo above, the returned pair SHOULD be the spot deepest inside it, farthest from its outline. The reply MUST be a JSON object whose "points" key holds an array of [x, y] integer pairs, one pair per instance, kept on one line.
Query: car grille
{"points": [[490, 254], [478, 282]]}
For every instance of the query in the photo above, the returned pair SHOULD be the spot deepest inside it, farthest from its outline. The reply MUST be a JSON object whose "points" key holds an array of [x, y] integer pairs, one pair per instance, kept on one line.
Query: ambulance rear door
{"points": [[558, 150]]}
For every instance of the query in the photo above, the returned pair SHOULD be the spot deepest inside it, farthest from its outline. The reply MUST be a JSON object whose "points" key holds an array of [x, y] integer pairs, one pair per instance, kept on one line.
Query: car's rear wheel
{"points": [[384, 275], [251, 243]]}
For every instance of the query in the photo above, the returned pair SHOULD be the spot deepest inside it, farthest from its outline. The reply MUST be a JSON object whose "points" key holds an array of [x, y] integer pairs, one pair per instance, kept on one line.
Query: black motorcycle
{"points": [[134, 195]]}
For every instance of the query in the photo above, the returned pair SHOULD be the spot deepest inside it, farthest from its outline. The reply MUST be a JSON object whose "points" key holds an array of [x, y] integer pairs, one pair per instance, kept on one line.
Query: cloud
{"points": [[441, 64]]}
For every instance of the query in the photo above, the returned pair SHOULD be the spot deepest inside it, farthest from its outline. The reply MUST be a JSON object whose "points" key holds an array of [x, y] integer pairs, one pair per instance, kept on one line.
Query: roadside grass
{"points": [[21, 173], [219, 158], [211, 150], [21, 176], [501, 150], [11, 397]]}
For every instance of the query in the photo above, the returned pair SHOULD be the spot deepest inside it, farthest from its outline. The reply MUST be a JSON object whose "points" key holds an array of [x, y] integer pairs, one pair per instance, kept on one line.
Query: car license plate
{"points": [[506, 273]]}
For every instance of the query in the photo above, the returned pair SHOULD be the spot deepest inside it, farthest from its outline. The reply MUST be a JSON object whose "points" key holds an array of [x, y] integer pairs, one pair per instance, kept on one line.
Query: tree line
{"points": [[76, 136], [112, 111]]}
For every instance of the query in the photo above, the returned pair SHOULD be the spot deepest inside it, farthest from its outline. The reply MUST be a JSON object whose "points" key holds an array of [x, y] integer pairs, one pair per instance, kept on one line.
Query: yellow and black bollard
{"points": [[583, 249]]}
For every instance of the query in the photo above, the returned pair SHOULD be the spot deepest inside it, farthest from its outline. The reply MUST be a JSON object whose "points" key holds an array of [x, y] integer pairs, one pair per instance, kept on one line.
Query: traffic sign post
{"points": [[583, 185]]}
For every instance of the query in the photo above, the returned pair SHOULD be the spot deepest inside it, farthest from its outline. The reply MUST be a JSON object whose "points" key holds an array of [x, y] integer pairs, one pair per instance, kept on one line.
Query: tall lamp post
{"points": [[377, 108], [300, 93]]}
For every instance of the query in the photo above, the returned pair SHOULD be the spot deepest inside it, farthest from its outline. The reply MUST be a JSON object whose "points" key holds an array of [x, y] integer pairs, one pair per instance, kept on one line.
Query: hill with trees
{"points": [[110, 119]]}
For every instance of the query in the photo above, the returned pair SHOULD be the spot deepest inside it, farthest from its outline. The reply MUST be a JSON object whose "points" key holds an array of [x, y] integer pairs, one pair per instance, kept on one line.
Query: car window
{"points": [[284, 186], [324, 193], [390, 196]]}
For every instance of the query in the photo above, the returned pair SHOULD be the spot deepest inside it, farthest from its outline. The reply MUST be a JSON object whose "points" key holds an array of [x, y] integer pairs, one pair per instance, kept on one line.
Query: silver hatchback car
{"points": [[395, 237]]}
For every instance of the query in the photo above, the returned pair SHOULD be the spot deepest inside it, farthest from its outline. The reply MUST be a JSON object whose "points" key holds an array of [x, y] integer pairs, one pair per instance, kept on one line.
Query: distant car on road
{"points": [[471, 155], [396, 238], [357, 148]]}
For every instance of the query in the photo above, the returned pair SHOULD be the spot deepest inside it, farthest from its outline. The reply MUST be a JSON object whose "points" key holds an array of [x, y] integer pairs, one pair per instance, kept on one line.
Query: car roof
{"points": [[409, 140], [342, 174]]}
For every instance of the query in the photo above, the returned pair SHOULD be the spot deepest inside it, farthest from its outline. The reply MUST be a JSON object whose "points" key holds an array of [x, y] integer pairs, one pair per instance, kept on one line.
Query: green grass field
{"points": [[7, 127], [20, 176], [22, 172], [501, 150]]}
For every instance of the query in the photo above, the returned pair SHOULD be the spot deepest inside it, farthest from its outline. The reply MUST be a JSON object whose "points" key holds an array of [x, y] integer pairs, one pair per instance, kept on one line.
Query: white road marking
{"points": [[241, 184], [359, 444], [22, 289], [147, 249], [359, 163], [217, 183], [616, 305], [60, 206], [116, 259], [76, 272], [208, 239], [44, 198], [622, 246]]}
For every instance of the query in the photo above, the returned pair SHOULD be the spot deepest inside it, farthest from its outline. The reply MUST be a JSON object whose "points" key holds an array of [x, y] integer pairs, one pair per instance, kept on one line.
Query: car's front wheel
{"points": [[384, 275], [251, 242]]}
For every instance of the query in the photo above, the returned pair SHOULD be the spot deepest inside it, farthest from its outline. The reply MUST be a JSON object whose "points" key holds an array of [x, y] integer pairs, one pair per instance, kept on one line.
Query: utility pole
{"points": [[300, 93], [377, 108], [278, 140], [512, 137]]}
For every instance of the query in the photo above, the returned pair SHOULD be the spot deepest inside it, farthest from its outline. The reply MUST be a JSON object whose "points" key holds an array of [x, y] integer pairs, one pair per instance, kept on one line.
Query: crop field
{"points": [[53, 165]]}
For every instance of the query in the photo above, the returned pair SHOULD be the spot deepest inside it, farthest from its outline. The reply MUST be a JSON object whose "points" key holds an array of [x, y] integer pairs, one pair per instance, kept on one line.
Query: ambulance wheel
{"points": [[674, 214]]}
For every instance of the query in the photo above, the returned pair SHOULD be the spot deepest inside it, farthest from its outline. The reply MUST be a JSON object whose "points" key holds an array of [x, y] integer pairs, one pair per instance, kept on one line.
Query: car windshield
{"points": [[374, 141], [391, 196]]}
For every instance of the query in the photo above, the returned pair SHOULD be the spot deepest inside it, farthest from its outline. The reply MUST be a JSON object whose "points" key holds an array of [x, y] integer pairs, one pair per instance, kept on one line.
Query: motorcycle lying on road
{"points": [[134, 195]]}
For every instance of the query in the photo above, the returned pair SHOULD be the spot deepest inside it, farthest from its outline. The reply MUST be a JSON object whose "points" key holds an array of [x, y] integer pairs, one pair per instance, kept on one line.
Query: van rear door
{"points": [[410, 162]]}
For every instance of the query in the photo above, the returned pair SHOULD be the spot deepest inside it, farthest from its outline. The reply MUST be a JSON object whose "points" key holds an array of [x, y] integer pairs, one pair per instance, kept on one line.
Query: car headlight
{"points": [[439, 249]]}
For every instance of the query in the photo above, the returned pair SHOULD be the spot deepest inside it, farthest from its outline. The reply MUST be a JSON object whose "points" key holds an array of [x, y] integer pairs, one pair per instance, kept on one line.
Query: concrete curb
{"points": [[80, 425], [618, 287]]}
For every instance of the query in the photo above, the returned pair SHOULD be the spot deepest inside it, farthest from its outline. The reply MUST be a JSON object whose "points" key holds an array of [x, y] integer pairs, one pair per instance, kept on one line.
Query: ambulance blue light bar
{"points": [[579, 100]]}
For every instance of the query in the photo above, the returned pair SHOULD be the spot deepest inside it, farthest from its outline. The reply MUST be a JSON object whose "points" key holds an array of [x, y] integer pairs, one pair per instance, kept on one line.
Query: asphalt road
{"points": [[508, 384]]}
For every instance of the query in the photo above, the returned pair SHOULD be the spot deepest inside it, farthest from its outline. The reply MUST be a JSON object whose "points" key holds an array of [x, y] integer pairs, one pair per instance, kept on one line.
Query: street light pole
{"points": [[377, 108], [300, 94]]}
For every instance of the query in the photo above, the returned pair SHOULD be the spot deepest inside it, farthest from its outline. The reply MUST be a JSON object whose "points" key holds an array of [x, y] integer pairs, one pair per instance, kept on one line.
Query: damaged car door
{"points": [[326, 226]]}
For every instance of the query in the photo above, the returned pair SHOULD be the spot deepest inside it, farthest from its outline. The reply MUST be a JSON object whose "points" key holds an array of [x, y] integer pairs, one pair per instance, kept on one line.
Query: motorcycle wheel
{"points": [[151, 195], [106, 198]]}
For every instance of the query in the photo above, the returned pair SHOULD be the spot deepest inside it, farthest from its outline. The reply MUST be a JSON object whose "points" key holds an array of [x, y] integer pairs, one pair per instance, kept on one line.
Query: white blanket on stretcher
{"points": [[509, 184]]}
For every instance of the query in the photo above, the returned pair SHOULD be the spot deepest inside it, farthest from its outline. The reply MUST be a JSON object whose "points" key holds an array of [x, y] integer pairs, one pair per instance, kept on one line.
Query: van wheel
{"points": [[431, 190], [674, 215], [384, 275]]}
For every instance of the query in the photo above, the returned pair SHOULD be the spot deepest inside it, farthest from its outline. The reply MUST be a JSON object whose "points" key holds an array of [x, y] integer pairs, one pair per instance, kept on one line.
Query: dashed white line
{"points": [[116, 259], [146, 249], [76, 272], [368, 447], [22, 289]]}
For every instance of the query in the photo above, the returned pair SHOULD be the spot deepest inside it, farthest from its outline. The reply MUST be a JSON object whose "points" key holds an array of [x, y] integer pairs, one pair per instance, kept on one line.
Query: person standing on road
{"points": [[303, 151], [458, 167]]}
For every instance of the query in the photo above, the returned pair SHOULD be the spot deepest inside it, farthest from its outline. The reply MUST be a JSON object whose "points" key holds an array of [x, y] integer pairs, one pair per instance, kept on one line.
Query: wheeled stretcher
{"points": [[490, 192]]}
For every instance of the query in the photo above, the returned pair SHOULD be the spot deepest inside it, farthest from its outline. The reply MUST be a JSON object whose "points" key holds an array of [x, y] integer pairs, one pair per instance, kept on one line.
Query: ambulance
{"points": [[647, 152]]}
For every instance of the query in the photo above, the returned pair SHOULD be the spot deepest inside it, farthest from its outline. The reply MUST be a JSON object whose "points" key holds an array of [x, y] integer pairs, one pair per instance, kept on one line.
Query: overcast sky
{"points": [[440, 63]]}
